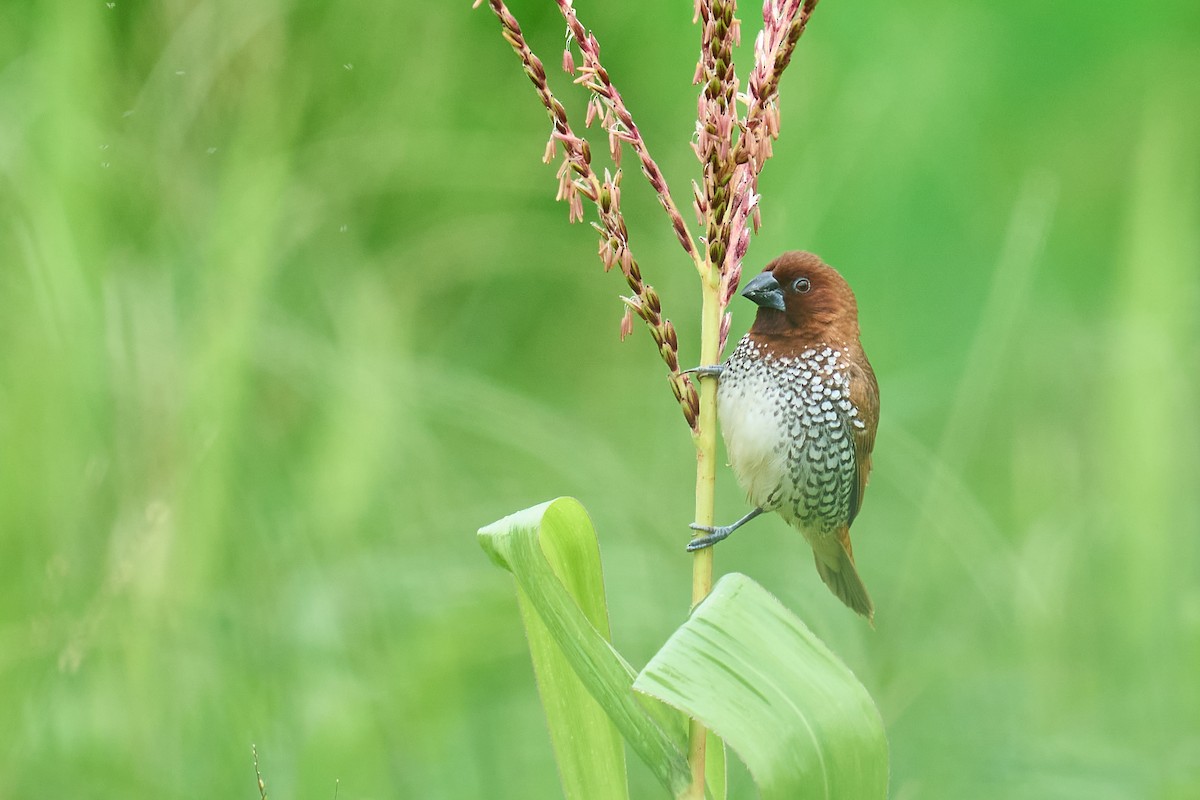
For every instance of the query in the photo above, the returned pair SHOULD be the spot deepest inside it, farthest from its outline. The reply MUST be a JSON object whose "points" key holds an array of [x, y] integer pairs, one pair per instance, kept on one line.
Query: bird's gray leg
{"points": [[710, 371], [718, 533]]}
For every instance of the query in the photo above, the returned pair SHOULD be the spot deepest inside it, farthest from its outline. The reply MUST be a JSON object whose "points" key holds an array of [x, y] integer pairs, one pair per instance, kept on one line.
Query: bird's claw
{"points": [[714, 535], [709, 371]]}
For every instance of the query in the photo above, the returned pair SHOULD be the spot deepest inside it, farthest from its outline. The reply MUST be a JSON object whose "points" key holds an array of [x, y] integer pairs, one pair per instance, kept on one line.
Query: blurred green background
{"points": [[287, 312]]}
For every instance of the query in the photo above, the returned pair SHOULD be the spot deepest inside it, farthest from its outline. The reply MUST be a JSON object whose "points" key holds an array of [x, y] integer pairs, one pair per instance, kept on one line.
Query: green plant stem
{"points": [[706, 479]]}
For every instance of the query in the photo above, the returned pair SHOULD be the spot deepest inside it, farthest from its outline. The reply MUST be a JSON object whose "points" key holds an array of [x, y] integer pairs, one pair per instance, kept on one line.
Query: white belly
{"points": [[756, 437], [787, 425]]}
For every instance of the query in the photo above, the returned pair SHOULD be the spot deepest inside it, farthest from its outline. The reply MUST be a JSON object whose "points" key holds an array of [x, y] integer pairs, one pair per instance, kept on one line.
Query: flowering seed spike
{"points": [[627, 324], [599, 81], [784, 21], [587, 189], [732, 152], [652, 300]]}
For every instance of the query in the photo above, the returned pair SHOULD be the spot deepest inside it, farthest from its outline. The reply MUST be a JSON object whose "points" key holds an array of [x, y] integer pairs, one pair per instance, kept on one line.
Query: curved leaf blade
{"points": [[585, 684], [751, 671]]}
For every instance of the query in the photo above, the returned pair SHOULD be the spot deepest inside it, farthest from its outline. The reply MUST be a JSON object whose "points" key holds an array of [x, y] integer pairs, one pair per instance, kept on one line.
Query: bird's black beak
{"points": [[764, 291]]}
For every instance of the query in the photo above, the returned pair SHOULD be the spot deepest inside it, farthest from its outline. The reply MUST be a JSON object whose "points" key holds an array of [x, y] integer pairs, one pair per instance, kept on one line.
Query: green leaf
{"points": [[585, 684], [752, 672]]}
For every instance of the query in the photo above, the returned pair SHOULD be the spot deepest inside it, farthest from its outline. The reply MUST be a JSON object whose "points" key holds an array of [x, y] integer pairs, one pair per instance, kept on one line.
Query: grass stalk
{"points": [[706, 480]]}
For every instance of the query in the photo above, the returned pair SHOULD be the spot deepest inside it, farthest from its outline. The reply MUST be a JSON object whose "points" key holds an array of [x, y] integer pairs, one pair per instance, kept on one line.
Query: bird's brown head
{"points": [[799, 294]]}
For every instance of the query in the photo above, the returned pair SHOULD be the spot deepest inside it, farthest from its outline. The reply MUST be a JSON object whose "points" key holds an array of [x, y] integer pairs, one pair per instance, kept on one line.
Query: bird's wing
{"points": [[864, 393]]}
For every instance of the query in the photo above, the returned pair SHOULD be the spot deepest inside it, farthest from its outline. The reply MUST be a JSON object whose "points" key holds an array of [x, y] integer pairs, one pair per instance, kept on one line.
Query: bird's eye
{"points": [[801, 285]]}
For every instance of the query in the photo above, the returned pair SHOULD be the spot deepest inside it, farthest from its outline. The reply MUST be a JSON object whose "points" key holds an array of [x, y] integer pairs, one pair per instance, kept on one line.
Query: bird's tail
{"points": [[835, 565]]}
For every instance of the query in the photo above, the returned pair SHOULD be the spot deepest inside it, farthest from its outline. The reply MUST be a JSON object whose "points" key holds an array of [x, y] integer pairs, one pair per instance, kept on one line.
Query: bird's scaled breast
{"points": [[787, 422], [752, 404]]}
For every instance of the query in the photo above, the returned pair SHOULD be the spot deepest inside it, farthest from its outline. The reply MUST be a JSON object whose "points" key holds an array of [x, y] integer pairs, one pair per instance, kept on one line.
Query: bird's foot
{"points": [[717, 533], [709, 371], [714, 535]]}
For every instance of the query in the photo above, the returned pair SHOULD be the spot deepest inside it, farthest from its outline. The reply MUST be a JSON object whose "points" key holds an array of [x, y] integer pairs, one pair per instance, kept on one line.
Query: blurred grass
{"points": [[287, 313]]}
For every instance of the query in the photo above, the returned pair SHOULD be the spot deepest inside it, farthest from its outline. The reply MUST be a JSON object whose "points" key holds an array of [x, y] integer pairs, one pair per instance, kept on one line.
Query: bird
{"points": [[798, 405]]}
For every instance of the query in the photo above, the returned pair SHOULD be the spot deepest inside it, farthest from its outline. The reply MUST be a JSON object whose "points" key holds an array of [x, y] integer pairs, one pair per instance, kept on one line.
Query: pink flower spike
{"points": [[771, 117], [626, 323], [725, 125], [729, 288], [568, 64], [606, 117], [564, 182], [626, 260], [740, 248], [576, 207]]}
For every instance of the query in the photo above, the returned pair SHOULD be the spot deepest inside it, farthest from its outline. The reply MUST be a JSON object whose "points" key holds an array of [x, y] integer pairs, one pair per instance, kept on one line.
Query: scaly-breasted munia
{"points": [[799, 405]]}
